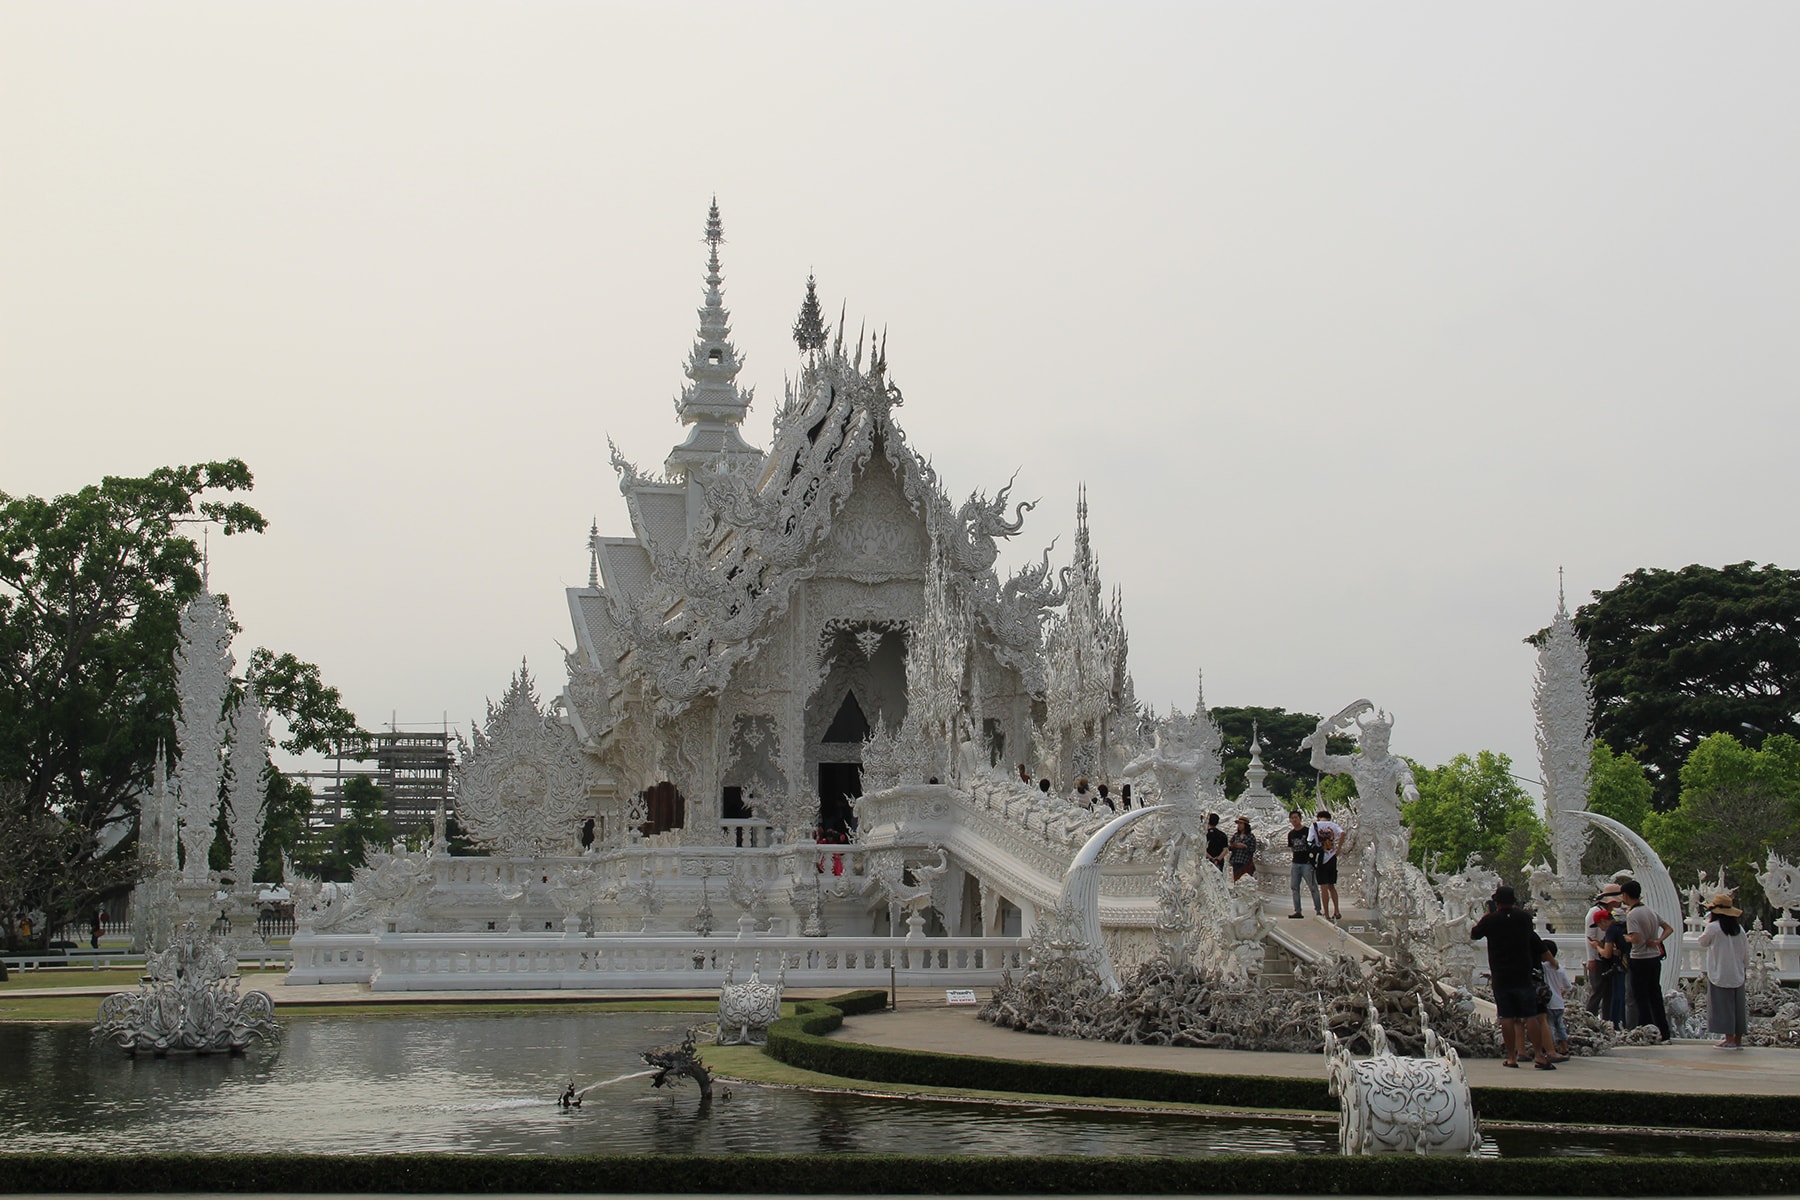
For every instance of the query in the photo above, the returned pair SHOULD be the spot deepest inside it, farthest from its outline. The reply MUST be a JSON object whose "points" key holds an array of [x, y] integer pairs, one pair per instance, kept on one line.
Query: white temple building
{"points": [[794, 720]]}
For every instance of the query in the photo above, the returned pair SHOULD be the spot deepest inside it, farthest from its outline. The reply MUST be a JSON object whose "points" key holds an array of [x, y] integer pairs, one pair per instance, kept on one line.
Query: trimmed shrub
{"points": [[1294, 1174]]}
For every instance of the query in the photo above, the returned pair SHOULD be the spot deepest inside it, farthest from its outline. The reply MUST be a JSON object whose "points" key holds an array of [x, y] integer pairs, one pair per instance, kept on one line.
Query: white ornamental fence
{"points": [[549, 961]]}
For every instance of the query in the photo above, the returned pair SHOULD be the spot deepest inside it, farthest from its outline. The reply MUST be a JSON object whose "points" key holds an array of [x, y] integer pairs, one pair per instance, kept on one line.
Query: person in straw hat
{"points": [[1727, 970]]}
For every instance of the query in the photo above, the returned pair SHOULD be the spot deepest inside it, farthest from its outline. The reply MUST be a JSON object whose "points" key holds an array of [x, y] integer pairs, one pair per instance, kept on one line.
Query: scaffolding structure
{"points": [[411, 766]]}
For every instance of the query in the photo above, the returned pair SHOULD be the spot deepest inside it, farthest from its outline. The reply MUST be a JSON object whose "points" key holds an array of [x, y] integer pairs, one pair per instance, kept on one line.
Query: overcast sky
{"points": [[1357, 320]]}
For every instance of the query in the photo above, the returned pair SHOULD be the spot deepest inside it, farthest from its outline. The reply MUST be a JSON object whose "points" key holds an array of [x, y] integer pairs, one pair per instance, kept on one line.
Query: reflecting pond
{"points": [[489, 1083]]}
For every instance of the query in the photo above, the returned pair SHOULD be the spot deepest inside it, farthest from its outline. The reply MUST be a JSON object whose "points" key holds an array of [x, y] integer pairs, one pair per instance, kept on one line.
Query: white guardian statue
{"points": [[1380, 838]]}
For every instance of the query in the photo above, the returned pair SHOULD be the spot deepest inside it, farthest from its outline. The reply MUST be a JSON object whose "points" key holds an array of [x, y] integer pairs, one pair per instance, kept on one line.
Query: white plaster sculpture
{"points": [[1780, 880], [1080, 899], [1563, 698], [1391, 1104], [189, 1001], [746, 1010], [522, 783], [203, 665], [248, 790], [1381, 836]]}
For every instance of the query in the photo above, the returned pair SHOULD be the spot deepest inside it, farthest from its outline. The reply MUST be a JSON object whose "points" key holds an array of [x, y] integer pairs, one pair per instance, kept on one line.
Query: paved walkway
{"points": [[923, 1023]]}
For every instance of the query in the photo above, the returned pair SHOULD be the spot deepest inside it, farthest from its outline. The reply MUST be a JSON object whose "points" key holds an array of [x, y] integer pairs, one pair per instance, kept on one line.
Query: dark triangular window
{"points": [[849, 725]]}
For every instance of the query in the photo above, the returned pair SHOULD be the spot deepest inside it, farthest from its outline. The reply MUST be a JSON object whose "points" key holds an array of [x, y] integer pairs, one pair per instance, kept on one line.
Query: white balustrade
{"points": [[483, 962]]}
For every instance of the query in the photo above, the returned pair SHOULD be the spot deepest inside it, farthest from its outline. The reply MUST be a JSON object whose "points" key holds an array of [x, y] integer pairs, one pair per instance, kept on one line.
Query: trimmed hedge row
{"points": [[912, 1174], [799, 1041]]}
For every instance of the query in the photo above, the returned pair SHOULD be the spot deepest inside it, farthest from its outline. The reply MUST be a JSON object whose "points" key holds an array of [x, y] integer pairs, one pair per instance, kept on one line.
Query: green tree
{"points": [[1290, 768], [1679, 655], [1475, 806], [1737, 804], [336, 852], [91, 590], [1617, 788]]}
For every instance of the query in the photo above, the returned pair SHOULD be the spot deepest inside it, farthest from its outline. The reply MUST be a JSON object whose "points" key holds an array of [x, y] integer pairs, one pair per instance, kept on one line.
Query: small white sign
{"points": [[959, 995], [1358, 928]]}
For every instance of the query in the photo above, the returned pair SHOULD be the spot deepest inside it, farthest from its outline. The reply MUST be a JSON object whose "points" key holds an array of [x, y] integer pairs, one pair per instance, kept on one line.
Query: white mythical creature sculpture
{"points": [[1780, 880], [1391, 1104], [1379, 775], [1183, 764]]}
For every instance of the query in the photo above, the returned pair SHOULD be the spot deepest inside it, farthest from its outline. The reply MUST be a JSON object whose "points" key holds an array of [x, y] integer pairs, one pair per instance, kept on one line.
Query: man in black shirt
{"points": [[1512, 946], [1216, 841], [1301, 845]]}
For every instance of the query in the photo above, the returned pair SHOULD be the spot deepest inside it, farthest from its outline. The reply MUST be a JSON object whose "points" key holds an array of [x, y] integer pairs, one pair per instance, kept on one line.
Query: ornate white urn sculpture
{"points": [[1390, 1104], [189, 1002], [746, 1010]]}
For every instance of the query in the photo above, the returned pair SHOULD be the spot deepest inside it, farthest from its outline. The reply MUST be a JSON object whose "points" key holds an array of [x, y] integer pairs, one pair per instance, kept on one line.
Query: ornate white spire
{"points": [[1564, 701], [594, 554], [203, 665], [712, 402]]}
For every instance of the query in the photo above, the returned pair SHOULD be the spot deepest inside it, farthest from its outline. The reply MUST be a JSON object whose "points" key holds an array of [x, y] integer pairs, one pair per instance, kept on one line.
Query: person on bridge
{"points": [[1513, 954], [1302, 846]]}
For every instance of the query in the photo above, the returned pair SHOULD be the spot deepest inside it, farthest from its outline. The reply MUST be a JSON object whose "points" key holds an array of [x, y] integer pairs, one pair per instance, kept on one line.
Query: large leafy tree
{"points": [[1290, 768], [1475, 806], [91, 590], [1737, 804], [1679, 655]]}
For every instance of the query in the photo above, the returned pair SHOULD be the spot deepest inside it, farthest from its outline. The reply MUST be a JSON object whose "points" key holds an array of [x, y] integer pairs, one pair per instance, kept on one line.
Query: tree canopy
{"points": [[91, 590], [1679, 655], [1290, 768], [1737, 804], [1475, 806]]}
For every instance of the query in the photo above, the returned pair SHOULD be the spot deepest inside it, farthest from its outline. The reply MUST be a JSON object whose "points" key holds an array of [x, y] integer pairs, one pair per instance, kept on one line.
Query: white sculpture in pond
{"points": [[746, 1010], [189, 1001], [1391, 1104], [1380, 836]]}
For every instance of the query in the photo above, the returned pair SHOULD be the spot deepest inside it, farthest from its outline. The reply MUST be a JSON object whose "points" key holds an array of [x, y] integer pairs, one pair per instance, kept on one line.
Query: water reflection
{"points": [[489, 1084]]}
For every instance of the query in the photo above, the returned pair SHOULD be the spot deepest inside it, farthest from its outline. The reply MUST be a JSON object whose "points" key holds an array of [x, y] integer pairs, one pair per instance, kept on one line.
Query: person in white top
{"points": [[1727, 971], [1330, 836], [1557, 980]]}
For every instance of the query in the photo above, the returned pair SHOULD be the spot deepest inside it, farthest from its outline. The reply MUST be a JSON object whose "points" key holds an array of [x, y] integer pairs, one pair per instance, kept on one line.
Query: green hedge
{"points": [[799, 1041], [906, 1174]]}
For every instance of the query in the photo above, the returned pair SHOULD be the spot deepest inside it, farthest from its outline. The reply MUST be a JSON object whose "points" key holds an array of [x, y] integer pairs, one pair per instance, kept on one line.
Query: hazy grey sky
{"points": [[1357, 320]]}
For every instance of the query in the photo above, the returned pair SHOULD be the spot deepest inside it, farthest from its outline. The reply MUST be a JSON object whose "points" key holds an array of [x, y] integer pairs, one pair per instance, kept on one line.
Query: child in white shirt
{"points": [[1559, 983]]}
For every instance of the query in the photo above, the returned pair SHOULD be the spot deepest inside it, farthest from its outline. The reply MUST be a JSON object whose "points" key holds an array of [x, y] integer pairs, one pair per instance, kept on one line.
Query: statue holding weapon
{"points": [[1378, 776]]}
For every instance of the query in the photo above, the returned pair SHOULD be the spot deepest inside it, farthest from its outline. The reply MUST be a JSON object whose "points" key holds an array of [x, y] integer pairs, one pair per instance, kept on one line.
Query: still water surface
{"points": [[489, 1083]]}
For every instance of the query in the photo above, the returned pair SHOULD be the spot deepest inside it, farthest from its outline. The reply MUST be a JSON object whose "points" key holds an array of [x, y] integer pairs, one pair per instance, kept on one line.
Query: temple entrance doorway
{"points": [[664, 808], [839, 783]]}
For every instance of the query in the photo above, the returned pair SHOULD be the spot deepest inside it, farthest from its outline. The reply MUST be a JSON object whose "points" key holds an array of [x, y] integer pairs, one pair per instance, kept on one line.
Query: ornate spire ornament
{"points": [[249, 764], [810, 331], [594, 554], [712, 403], [1564, 701], [203, 666]]}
